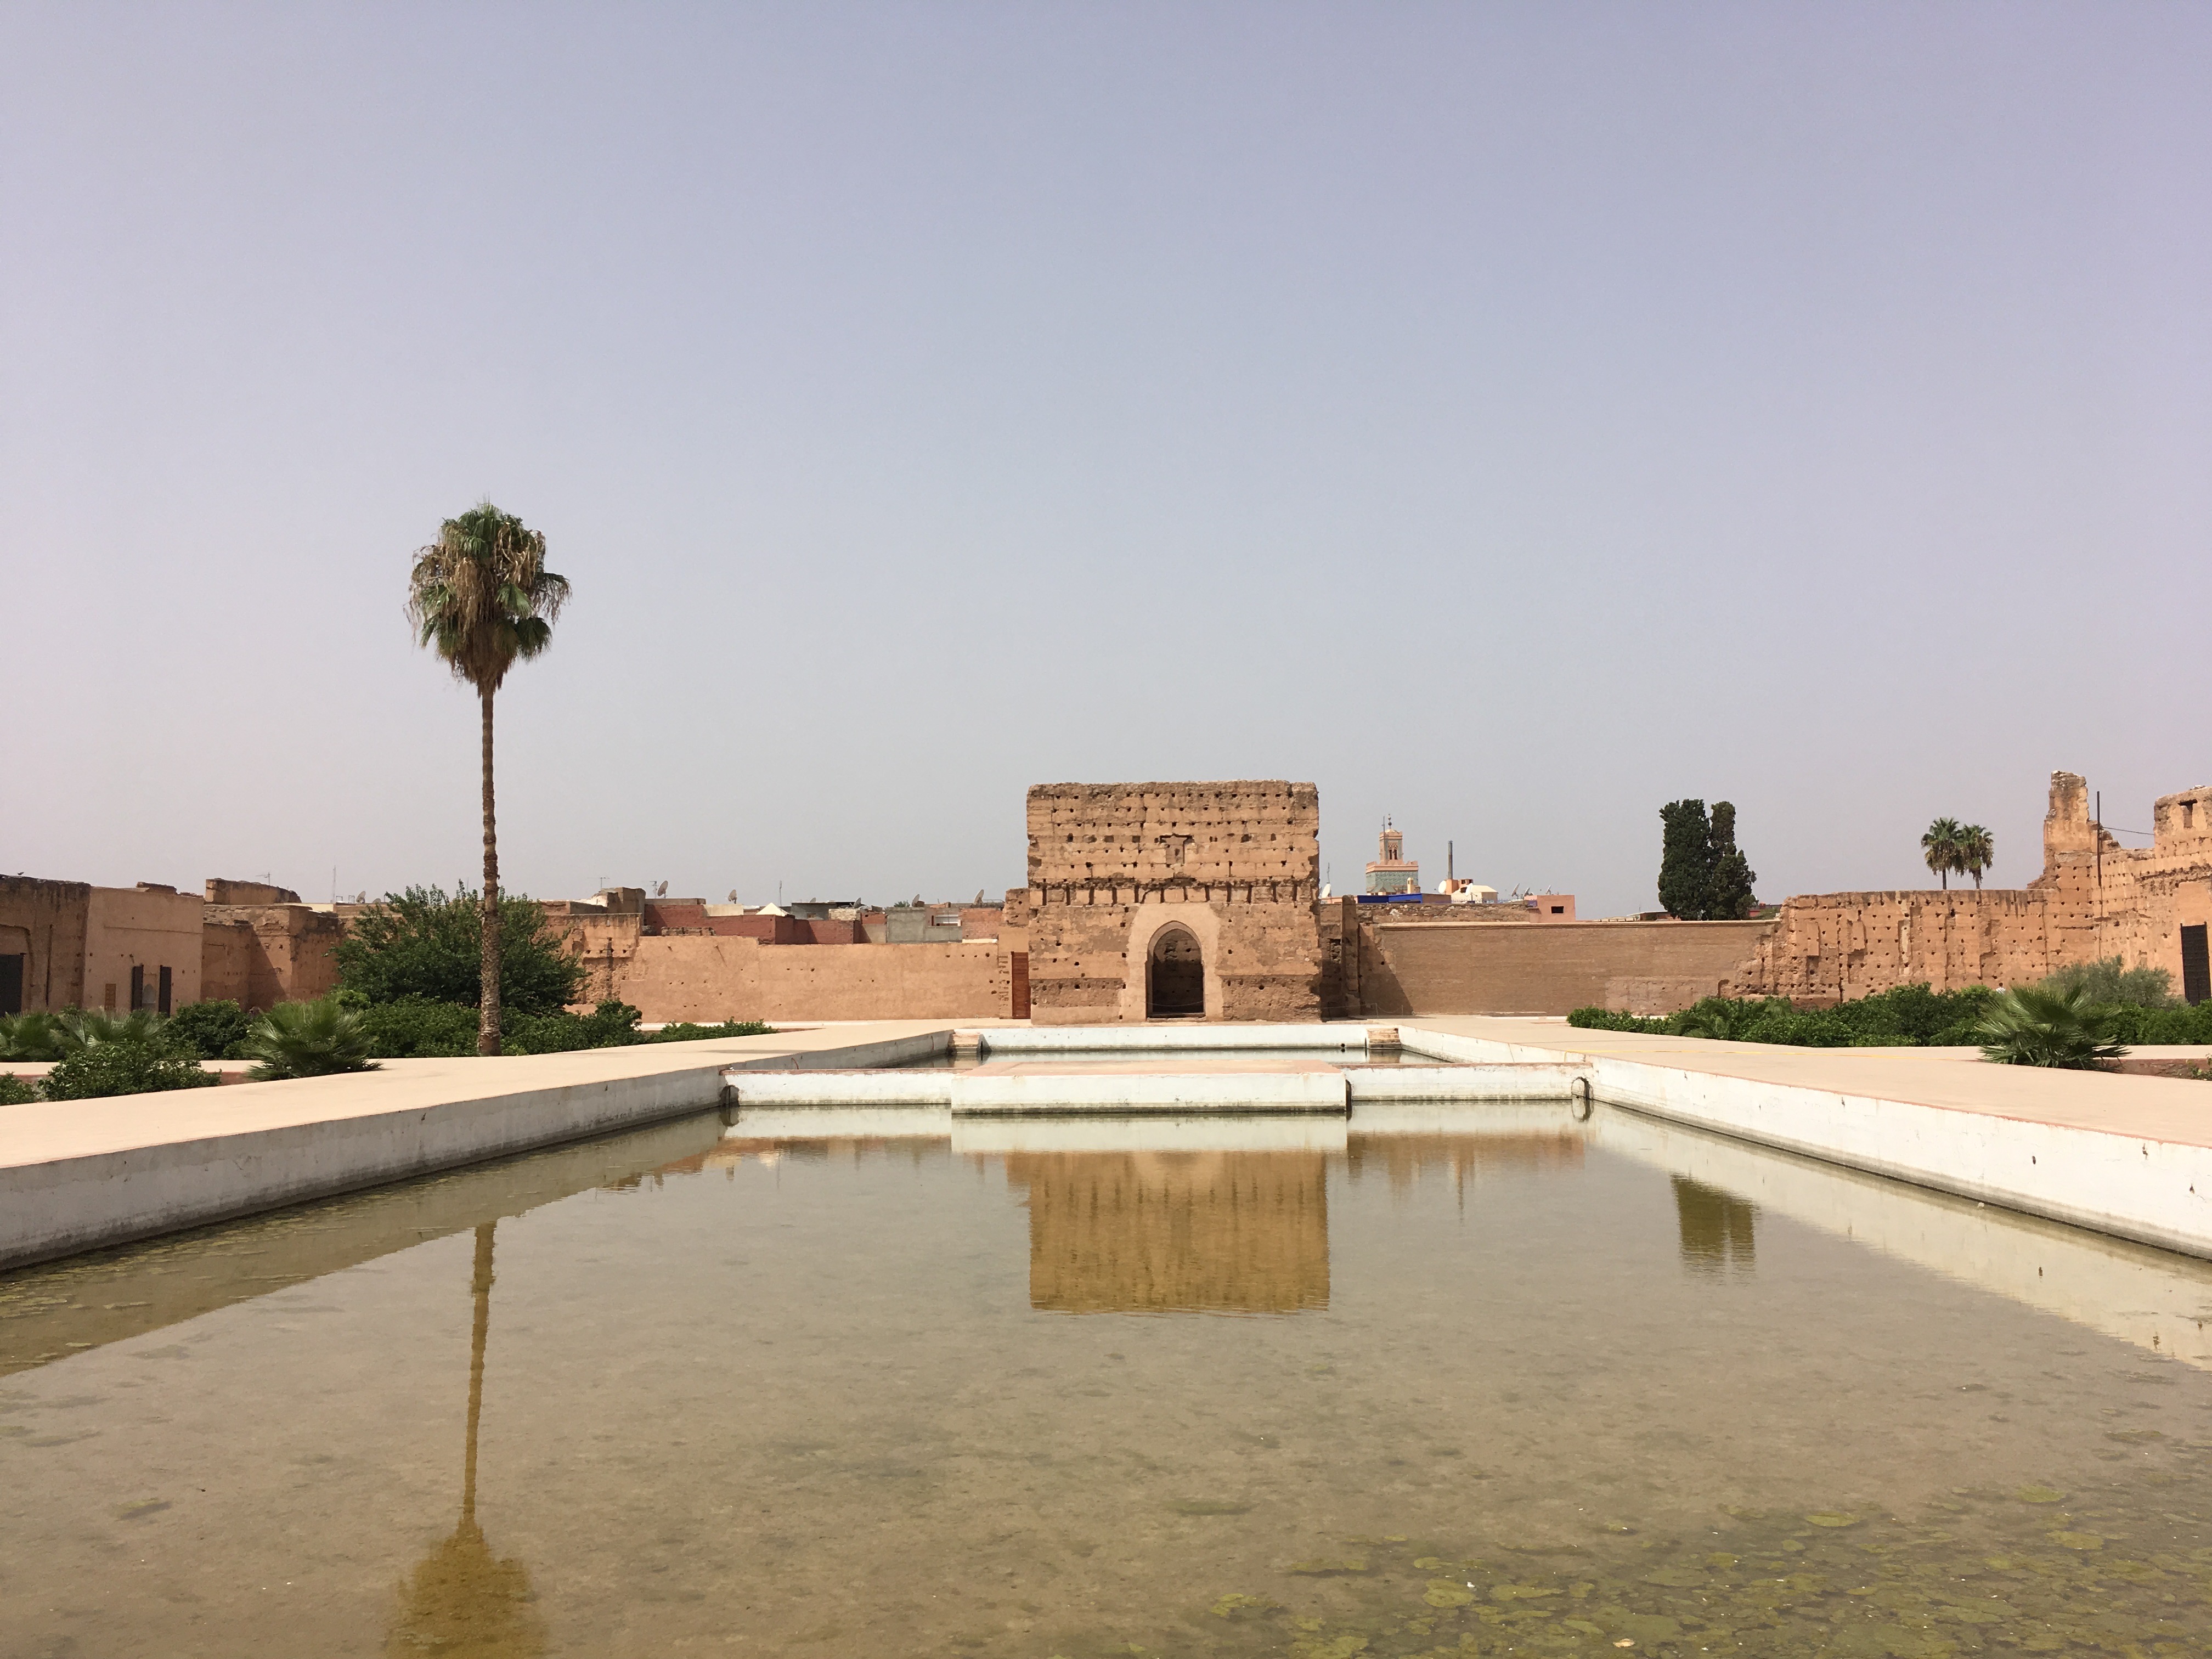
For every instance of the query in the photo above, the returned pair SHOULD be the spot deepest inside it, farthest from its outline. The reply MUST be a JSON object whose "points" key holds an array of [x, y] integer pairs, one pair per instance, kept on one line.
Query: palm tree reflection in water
{"points": [[461, 1602]]}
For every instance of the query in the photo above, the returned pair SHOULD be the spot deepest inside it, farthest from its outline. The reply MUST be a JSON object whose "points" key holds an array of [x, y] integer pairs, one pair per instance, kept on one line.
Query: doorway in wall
{"points": [[11, 983], [1175, 979], [2196, 966]]}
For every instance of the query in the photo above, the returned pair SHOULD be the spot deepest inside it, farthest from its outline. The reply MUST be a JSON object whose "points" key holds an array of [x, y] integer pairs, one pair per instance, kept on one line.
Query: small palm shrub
{"points": [[212, 1031], [1723, 1020], [2033, 1026], [30, 1036], [308, 1039], [82, 1028], [16, 1090], [96, 1070]]}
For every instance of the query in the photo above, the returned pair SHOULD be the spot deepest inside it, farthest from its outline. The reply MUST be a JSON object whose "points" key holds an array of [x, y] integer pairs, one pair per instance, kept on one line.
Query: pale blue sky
{"points": [[1510, 418]]}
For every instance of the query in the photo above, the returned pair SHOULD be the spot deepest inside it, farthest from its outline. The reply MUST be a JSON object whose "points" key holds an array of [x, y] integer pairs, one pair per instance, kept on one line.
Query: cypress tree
{"points": [[1728, 893], [1684, 860]]}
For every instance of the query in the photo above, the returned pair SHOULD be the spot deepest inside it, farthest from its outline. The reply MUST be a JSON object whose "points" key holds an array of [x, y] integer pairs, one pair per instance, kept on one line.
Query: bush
{"points": [[1909, 1015], [684, 1032], [81, 1027], [1606, 1019], [610, 1026], [415, 1028], [211, 1031], [100, 1069], [30, 1036], [16, 1090], [2031, 1026], [308, 1039], [2112, 984], [425, 944]]}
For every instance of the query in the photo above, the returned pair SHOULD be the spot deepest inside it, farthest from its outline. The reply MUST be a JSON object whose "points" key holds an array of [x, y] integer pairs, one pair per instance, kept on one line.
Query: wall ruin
{"points": [[1112, 867]]}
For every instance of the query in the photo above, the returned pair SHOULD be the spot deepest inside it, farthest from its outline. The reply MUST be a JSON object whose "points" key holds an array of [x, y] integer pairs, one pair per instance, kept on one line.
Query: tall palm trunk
{"points": [[488, 1025]]}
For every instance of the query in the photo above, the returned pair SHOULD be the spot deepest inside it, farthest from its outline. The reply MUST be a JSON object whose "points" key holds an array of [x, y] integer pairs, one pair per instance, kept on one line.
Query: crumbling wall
{"points": [[1110, 865], [44, 922], [260, 955], [2095, 899], [223, 890], [1828, 947]]}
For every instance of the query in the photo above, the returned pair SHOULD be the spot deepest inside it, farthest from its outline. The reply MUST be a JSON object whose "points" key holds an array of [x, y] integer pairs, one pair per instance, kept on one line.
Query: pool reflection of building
{"points": [[1167, 1232], [1404, 1159]]}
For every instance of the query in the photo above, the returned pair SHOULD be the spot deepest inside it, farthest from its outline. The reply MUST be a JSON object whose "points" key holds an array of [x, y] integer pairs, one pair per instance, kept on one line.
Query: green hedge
{"points": [[684, 1032], [1911, 1016], [100, 1069], [415, 1028], [212, 1031]]}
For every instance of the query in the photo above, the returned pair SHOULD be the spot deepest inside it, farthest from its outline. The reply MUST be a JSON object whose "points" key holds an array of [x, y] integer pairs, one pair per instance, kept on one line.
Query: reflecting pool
{"points": [[1483, 1380]]}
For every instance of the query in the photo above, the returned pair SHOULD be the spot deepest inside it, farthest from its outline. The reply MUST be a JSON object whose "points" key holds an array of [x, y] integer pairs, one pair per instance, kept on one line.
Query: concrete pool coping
{"points": [[2127, 1156], [83, 1174]]}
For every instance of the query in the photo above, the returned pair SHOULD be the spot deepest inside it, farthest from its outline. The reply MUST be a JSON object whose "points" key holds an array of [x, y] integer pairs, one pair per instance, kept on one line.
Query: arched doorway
{"points": [[1175, 976]]}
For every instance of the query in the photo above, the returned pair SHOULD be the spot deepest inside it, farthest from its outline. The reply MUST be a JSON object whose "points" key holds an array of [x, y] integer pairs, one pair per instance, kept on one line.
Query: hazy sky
{"points": [[1508, 418]]}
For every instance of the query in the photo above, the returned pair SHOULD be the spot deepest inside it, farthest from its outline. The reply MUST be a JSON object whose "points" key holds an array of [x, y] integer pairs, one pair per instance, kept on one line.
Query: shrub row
{"points": [[1909, 1015]]}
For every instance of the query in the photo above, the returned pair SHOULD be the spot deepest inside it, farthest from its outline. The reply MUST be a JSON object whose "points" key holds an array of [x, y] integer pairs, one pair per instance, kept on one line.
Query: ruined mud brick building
{"points": [[2095, 899], [1172, 900]]}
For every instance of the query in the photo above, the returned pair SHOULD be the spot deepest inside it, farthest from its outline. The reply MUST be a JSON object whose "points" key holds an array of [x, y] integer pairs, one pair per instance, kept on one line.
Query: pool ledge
{"points": [[2131, 1156], [81, 1174]]}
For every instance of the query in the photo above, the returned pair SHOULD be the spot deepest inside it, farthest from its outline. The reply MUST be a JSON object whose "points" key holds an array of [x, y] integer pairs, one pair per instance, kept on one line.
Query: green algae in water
{"points": [[1884, 1588]]}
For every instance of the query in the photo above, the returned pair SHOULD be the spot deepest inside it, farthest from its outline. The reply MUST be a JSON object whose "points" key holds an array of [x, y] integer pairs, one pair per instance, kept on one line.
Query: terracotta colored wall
{"points": [[129, 927], [1827, 946], [2095, 899], [258, 956], [1089, 962], [222, 890], [44, 922], [1641, 967], [1112, 864], [692, 976]]}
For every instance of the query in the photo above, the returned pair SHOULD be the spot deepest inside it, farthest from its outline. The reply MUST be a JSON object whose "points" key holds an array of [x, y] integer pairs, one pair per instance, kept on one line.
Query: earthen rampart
{"points": [[1408, 969], [1221, 878]]}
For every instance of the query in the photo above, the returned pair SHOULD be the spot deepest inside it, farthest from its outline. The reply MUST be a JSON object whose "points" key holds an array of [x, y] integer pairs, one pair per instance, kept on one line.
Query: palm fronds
{"points": [[308, 1039], [2032, 1026], [481, 596], [1939, 848]]}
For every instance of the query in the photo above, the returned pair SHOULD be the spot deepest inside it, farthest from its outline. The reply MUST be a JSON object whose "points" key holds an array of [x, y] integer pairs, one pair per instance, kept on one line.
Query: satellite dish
{"points": [[660, 891]]}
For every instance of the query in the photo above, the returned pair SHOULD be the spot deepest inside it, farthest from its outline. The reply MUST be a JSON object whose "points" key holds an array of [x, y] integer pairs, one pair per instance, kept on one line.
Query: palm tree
{"points": [[1940, 847], [482, 596], [1977, 850]]}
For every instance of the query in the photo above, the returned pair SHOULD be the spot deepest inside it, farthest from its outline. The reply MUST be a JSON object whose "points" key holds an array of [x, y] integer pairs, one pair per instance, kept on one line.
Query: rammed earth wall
{"points": [[1112, 867]]}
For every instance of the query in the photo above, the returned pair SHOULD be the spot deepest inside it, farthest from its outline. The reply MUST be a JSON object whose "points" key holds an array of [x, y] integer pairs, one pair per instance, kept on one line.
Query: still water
{"points": [[1491, 1382]]}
